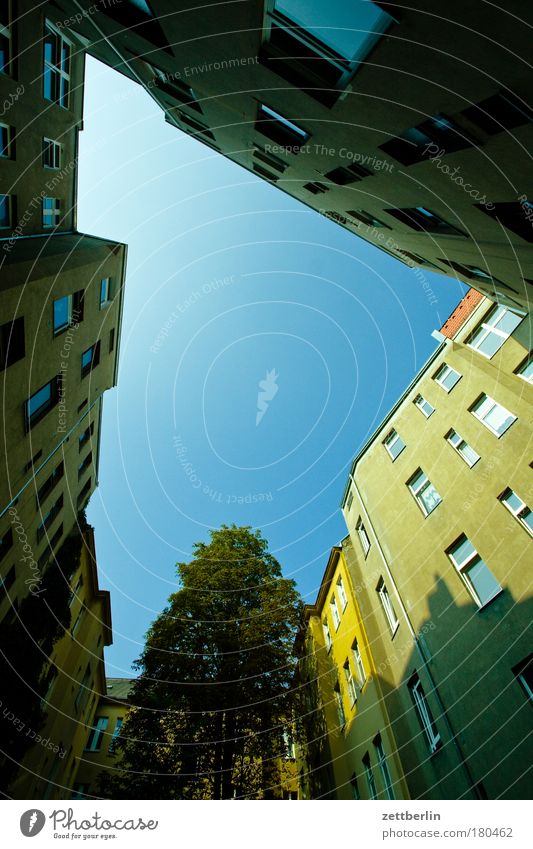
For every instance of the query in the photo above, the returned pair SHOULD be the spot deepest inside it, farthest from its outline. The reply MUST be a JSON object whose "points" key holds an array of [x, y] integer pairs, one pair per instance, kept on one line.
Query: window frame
{"points": [[441, 375], [483, 419], [327, 634], [420, 488], [279, 129], [424, 714], [335, 615], [52, 150], [94, 361], [32, 419], [383, 766], [351, 683], [6, 30], [96, 734], [520, 511], [387, 607], [518, 671], [8, 200], [369, 773], [392, 437], [461, 444], [487, 329], [463, 567], [12, 342], [341, 592], [359, 663], [364, 539], [57, 73], [521, 370], [6, 151], [421, 406], [51, 213], [424, 220]]}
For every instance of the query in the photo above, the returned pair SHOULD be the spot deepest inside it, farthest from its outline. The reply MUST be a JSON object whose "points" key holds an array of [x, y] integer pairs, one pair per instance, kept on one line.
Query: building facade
{"points": [[440, 540], [349, 751], [330, 105]]}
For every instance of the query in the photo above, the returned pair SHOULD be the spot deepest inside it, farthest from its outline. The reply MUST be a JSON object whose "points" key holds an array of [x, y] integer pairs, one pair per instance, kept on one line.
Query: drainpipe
{"points": [[416, 642]]}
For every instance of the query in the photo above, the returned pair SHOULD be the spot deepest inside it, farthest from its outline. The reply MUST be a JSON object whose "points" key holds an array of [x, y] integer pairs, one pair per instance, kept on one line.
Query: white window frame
{"points": [[390, 441], [359, 663], [327, 634], [521, 371], [464, 566], [363, 536], [388, 607], [384, 767], [424, 406], [52, 150], [51, 215], [342, 593], [521, 512], [423, 713], [417, 489], [96, 734], [488, 327], [335, 615], [337, 694], [108, 297], [351, 683], [443, 373], [492, 406], [459, 445]]}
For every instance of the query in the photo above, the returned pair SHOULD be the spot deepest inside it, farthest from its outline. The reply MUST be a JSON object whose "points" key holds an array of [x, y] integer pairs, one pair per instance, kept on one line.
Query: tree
{"points": [[216, 692]]}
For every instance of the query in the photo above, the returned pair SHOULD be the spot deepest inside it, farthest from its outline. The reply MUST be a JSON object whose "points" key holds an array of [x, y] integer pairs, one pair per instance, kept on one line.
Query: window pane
{"points": [[483, 581], [39, 399], [469, 454], [490, 344], [61, 313], [429, 497], [499, 419], [462, 551], [86, 358], [508, 322]]}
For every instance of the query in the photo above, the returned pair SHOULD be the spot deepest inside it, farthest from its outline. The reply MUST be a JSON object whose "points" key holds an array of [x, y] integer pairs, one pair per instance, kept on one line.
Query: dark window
{"points": [[517, 217], [264, 173], [67, 310], [83, 404], [51, 481], [49, 550], [176, 89], [84, 492], [439, 134], [6, 142], [335, 216], [111, 340], [420, 218], [78, 305], [90, 359], [137, 18], [11, 342], [280, 129], [82, 468], [315, 188], [85, 436], [31, 463], [366, 218], [269, 159], [6, 211], [6, 541], [40, 403], [502, 111], [49, 517], [196, 127], [419, 260], [523, 672], [472, 272], [342, 176], [56, 72], [7, 582]]}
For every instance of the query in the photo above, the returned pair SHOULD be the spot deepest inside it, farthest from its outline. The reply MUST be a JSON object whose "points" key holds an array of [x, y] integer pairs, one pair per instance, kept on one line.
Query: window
{"points": [[49, 548], [56, 73], [479, 580], [523, 672], [355, 787], [175, 88], [495, 417], [335, 612], [424, 714], [94, 743], [51, 154], [417, 259], [49, 518], [74, 593], [350, 683], [315, 188], [84, 492], [111, 340], [518, 508], [420, 218], [383, 767], [363, 217], [363, 537], [282, 131], [424, 492], [327, 634], [424, 406], [6, 542], [85, 436], [317, 48], [31, 463], [83, 690], [5, 39], [358, 661], [78, 619], [7, 582], [472, 272], [339, 705], [6, 141], [386, 604], [40, 403], [5, 211], [105, 292], [197, 128], [342, 592], [525, 371], [371, 783], [463, 448], [264, 172], [51, 212], [82, 468], [349, 501], [90, 359], [502, 111], [83, 404], [495, 328], [513, 216], [268, 158], [50, 483], [447, 377], [12, 348], [116, 734], [412, 145], [67, 311], [394, 444], [344, 175]]}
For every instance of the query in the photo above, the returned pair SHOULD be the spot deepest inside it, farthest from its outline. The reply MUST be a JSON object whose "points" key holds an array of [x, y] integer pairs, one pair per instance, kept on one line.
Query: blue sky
{"points": [[229, 280]]}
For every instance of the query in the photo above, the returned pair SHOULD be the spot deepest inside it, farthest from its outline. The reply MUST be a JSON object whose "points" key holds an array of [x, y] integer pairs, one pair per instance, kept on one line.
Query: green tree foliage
{"points": [[216, 685]]}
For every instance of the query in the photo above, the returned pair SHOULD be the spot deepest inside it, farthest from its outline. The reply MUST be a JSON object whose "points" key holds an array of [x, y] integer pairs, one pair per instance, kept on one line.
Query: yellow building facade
{"points": [[350, 751]]}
